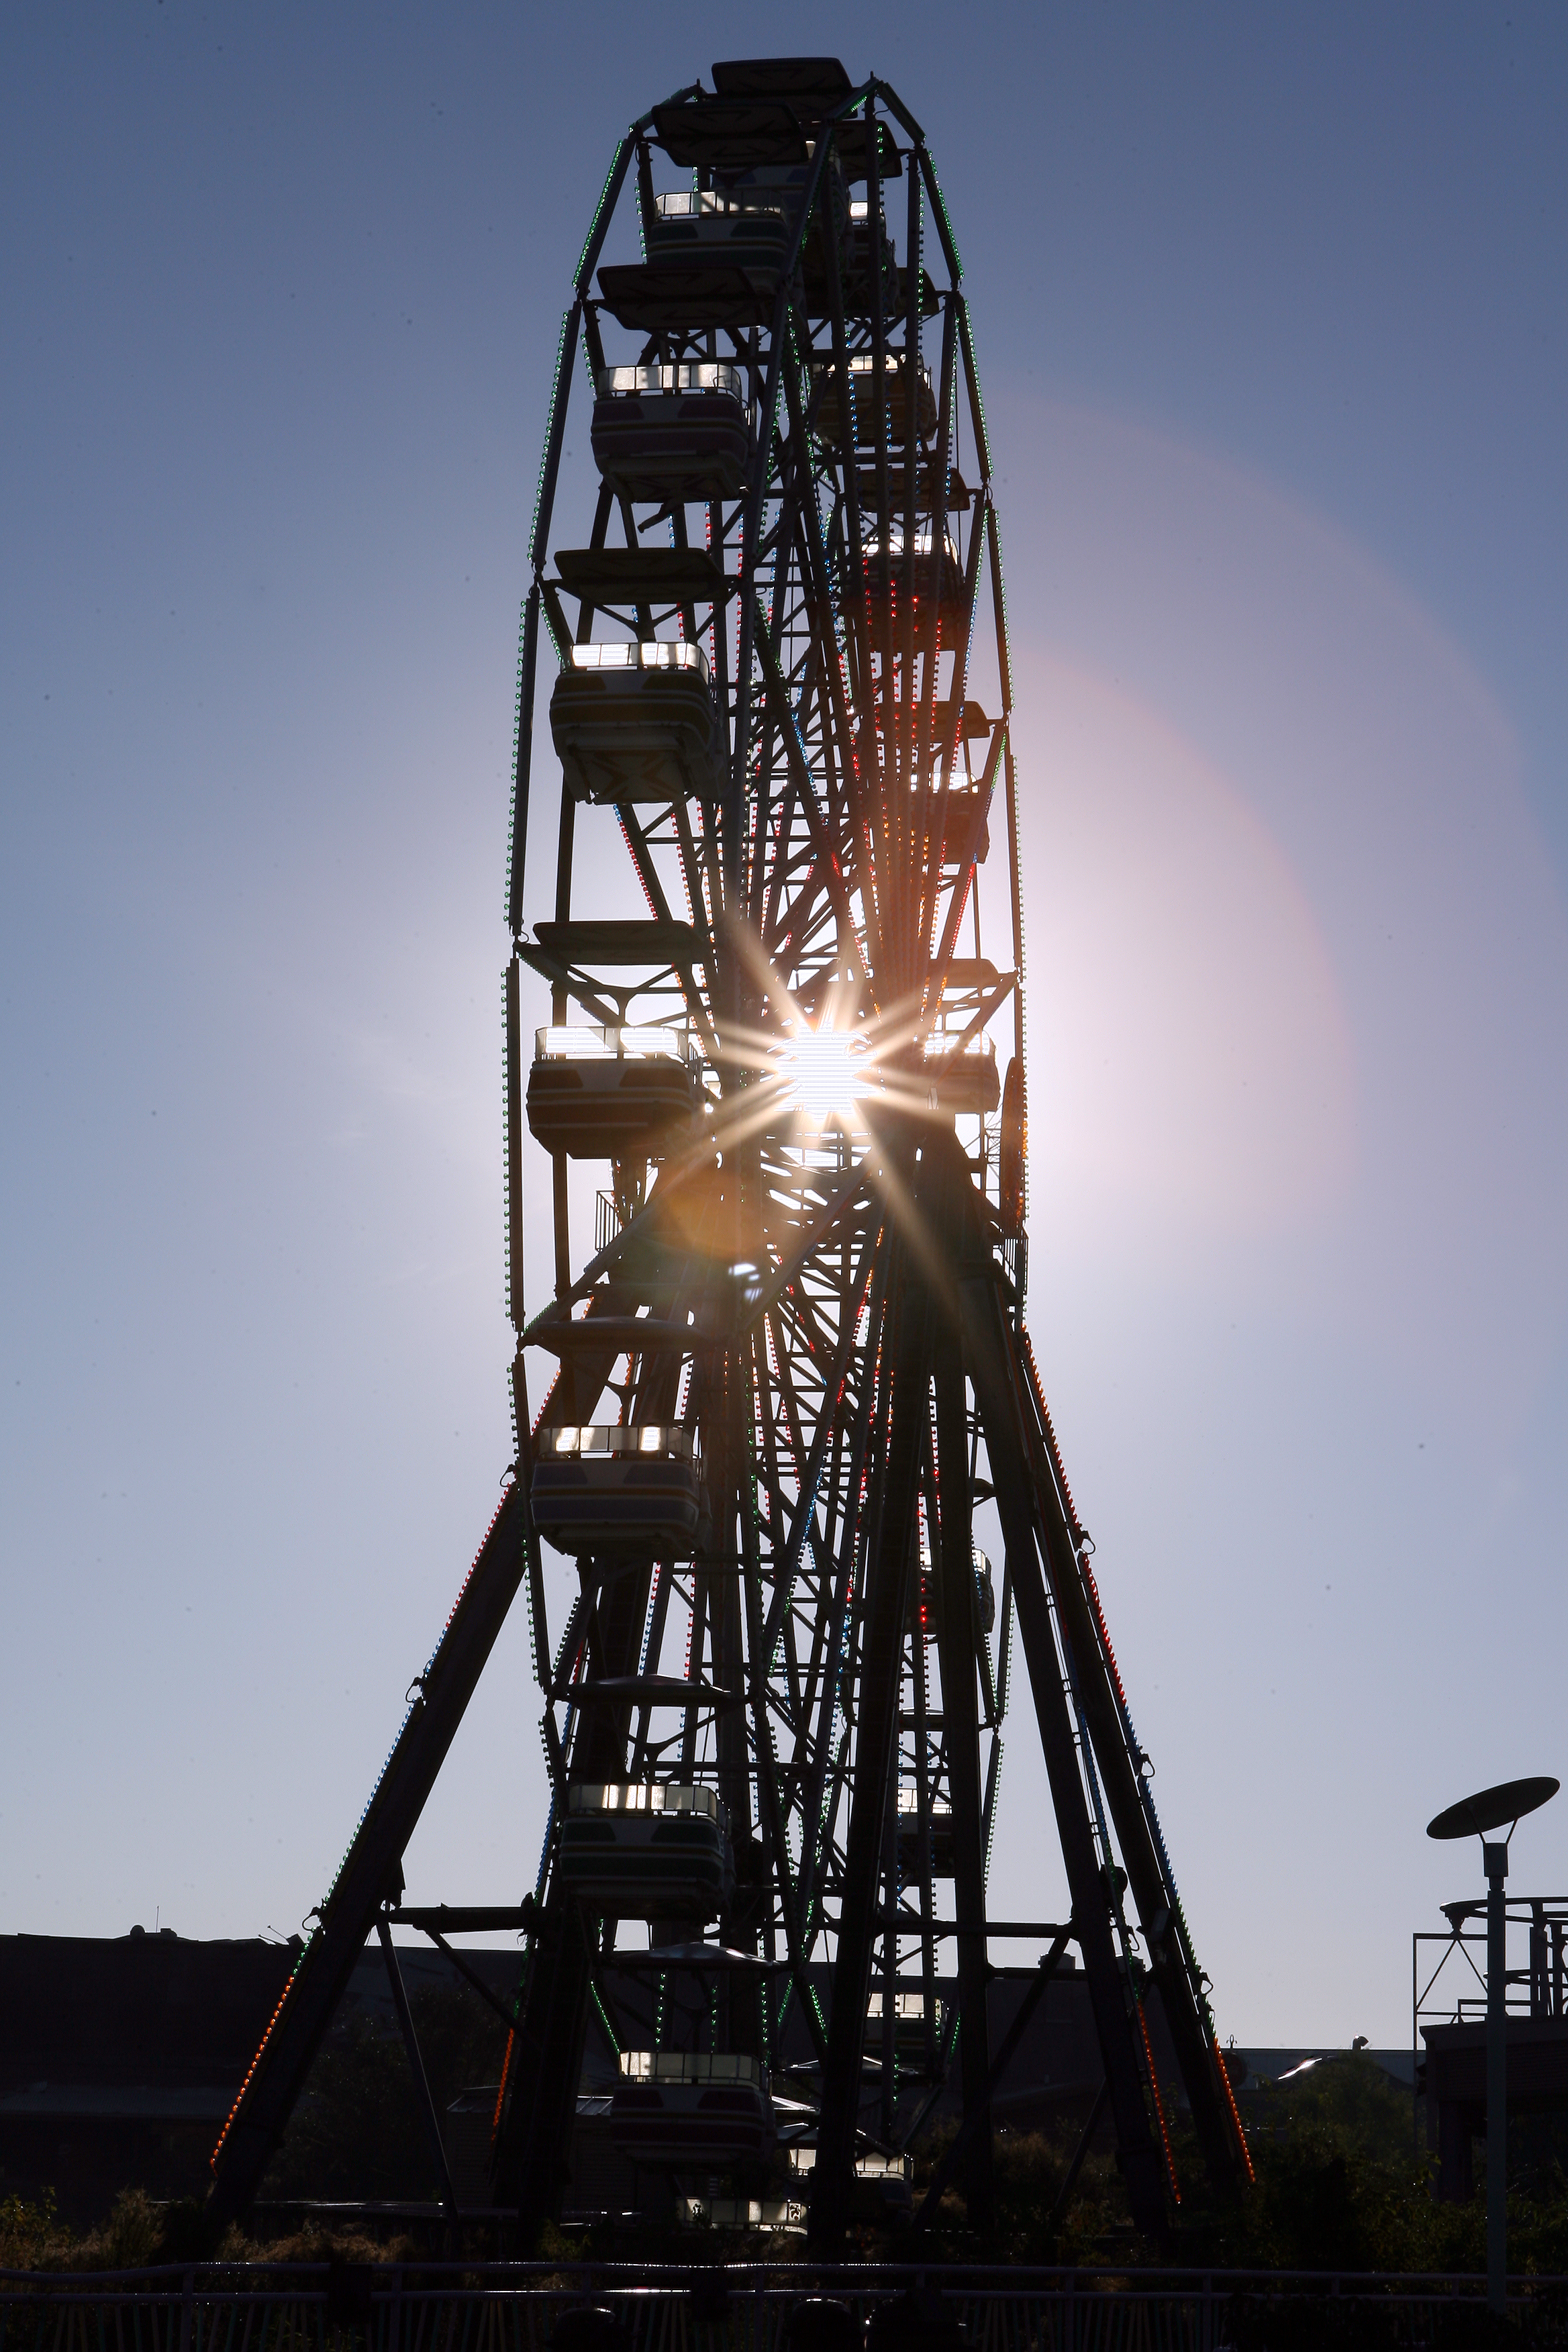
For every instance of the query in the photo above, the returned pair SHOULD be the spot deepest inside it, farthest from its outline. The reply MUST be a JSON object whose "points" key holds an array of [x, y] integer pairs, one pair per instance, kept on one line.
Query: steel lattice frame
{"points": [[835, 1310]]}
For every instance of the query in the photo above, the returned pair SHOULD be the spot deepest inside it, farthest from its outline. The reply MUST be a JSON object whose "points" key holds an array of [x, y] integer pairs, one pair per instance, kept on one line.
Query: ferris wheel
{"points": [[785, 1361]]}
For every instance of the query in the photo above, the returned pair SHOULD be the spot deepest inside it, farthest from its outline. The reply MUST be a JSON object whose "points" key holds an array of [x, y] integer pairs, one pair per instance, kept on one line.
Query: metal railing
{"points": [[736, 2307]]}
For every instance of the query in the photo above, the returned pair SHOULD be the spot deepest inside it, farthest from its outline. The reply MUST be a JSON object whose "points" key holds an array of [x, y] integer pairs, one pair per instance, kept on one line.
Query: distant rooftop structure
{"points": [[1448, 2023]]}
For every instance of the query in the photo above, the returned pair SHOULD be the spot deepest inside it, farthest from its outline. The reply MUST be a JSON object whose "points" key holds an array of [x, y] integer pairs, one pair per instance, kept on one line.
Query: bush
{"points": [[138, 2233], [31, 2236], [1028, 2170]]}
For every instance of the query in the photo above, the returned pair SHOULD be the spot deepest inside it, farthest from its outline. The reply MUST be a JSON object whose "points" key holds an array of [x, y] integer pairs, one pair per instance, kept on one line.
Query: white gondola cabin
{"points": [[940, 1829], [709, 226], [632, 1850], [908, 2023], [636, 1490], [984, 1584], [636, 724], [613, 1093], [674, 432], [984, 1591], [961, 1079], [882, 2188], [692, 2110]]}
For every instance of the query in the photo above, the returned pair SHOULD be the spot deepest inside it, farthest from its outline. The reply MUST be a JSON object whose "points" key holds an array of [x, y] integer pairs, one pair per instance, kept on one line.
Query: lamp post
{"points": [[1473, 1817]]}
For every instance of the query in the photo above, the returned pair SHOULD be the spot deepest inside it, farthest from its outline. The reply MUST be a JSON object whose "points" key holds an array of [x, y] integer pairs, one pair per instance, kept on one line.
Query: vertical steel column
{"points": [[956, 1635], [732, 1504], [881, 1673], [530, 2164], [1496, 1858]]}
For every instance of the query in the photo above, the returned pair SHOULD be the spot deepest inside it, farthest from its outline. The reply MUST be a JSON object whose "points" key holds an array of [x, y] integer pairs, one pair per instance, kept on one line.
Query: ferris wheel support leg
{"points": [[987, 1356], [738, 1927], [890, 1543], [955, 1648], [1192, 2035], [372, 1863]]}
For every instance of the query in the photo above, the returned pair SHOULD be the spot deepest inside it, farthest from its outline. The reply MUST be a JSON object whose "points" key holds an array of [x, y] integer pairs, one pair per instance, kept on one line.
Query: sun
{"points": [[824, 1072]]}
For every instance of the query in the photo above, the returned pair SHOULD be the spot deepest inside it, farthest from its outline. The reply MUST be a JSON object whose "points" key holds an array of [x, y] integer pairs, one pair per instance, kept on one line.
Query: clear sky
{"points": [[1270, 308]]}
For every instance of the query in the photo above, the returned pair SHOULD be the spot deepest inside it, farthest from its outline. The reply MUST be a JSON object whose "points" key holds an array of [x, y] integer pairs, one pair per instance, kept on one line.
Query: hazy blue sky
{"points": [[1270, 308]]}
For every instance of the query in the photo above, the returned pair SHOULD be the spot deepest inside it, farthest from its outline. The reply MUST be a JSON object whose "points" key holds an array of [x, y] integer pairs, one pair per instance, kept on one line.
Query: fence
{"points": [[740, 2307]]}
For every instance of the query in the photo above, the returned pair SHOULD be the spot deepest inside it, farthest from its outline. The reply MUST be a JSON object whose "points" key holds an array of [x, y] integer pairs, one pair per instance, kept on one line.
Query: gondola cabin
{"points": [[938, 1819], [854, 220], [635, 1490], [692, 2110], [708, 226], [887, 577], [613, 1093], [754, 2213], [637, 1851], [960, 1078], [984, 1591], [868, 407], [882, 2190], [785, 185], [672, 433], [944, 730], [634, 725], [953, 721], [909, 2026], [965, 817], [985, 1585], [860, 225], [966, 827]]}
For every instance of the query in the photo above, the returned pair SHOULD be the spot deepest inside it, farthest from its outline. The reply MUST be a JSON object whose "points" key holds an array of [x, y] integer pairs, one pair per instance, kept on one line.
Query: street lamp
{"points": [[1473, 1817]]}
